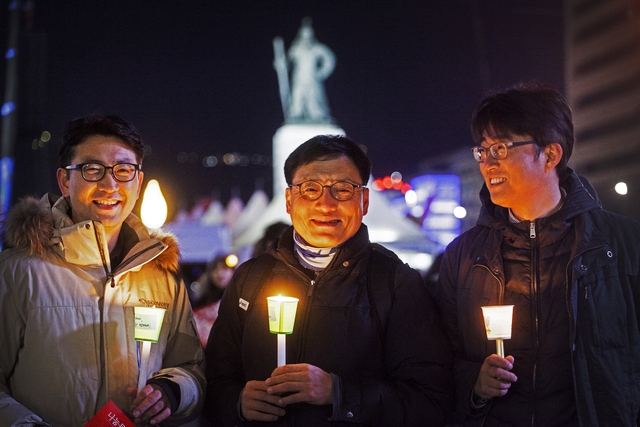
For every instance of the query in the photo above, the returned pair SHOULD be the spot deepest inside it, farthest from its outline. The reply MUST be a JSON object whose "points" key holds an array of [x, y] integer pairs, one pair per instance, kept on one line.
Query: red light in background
{"points": [[387, 182]]}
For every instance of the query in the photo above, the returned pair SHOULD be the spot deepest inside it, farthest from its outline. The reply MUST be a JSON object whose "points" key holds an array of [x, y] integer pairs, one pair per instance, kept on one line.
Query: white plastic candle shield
{"points": [[148, 323], [282, 315], [497, 323]]}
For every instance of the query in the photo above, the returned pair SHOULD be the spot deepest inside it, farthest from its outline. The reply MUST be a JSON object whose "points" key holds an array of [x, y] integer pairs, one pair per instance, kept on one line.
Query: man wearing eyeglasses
{"points": [[367, 347], [72, 272], [569, 268]]}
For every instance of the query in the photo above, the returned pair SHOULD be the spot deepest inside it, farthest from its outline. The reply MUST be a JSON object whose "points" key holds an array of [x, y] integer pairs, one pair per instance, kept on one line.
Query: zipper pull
{"points": [[113, 282], [313, 282], [532, 229]]}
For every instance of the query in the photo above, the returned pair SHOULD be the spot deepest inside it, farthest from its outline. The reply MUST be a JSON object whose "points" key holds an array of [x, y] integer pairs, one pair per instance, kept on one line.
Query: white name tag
{"points": [[243, 304]]}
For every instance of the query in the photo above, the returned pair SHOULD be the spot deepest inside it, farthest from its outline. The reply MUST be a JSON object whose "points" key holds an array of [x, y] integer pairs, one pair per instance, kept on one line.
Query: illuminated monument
{"points": [[301, 74]]}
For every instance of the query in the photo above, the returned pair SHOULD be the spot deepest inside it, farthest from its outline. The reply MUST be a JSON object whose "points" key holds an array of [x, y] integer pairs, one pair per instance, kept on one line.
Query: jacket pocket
{"points": [[605, 304]]}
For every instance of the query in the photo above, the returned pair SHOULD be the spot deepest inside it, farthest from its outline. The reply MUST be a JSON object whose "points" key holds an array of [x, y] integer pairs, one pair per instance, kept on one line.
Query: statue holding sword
{"points": [[304, 99]]}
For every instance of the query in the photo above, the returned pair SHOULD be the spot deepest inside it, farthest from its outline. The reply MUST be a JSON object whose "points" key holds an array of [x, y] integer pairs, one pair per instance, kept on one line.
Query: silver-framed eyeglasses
{"points": [[341, 190], [92, 172], [498, 150]]}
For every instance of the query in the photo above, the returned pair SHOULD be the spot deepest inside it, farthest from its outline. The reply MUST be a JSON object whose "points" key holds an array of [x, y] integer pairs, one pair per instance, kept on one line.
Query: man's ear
{"points": [[553, 155], [140, 181], [365, 201], [63, 181], [287, 196]]}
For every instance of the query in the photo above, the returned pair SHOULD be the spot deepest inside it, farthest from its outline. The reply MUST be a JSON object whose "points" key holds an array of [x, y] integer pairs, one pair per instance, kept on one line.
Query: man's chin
{"points": [[325, 242]]}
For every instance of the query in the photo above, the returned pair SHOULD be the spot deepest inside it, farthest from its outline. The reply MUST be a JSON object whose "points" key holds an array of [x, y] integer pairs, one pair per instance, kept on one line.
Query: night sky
{"points": [[196, 77]]}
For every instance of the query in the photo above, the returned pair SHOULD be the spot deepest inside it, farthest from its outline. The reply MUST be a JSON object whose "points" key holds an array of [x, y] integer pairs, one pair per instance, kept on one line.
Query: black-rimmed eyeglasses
{"points": [[123, 172], [498, 150], [341, 191]]}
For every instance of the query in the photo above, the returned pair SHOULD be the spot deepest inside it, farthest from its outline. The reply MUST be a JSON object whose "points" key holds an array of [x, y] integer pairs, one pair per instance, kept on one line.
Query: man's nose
{"points": [[326, 201], [108, 180], [489, 161]]}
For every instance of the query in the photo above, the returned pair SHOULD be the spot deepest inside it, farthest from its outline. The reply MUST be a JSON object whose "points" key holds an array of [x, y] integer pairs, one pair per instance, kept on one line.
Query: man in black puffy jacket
{"points": [[569, 268], [368, 346]]}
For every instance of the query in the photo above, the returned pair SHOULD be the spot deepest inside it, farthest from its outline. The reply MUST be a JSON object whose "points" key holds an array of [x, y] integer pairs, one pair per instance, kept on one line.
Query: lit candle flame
{"points": [[154, 207]]}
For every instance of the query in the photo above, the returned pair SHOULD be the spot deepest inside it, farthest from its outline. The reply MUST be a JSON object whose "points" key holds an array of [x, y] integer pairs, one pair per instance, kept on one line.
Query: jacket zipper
{"points": [[310, 293], [305, 320], [107, 272], [126, 261], [535, 290]]}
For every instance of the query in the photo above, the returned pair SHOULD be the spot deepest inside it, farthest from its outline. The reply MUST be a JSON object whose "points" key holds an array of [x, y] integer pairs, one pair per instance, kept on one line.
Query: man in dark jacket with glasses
{"points": [[367, 347], [569, 268]]}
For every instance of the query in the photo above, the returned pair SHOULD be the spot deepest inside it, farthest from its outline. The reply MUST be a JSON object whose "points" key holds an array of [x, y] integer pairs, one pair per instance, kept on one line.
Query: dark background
{"points": [[196, 77]]}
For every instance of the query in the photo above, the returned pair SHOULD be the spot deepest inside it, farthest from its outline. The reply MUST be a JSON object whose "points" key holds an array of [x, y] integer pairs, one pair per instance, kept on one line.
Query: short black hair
{"points": [[531, 108], [327, 147], [79, 129]]}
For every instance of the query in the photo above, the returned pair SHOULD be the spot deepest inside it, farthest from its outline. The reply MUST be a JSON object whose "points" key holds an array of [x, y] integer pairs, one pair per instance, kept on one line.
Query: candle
{"points": [[282, 315], [497, 323], [148, 322]]}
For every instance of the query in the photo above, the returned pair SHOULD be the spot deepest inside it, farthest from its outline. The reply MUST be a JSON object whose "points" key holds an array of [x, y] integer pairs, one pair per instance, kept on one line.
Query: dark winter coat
{"points": [[398, 376], [589, 258]]}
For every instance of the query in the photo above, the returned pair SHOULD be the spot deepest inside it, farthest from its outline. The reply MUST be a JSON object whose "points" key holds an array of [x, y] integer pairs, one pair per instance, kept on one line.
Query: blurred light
{"points": [[396, 177], [621, 188], [411, 198], [210, 161], [231, 261], [45, 137], [442, 206], [182, 157], [11, 52], [154, 207], [377, 185], [243, 160], [459, 212], [8, 108], [230, 159], [405, 187], [387, 182], [417, 211]]}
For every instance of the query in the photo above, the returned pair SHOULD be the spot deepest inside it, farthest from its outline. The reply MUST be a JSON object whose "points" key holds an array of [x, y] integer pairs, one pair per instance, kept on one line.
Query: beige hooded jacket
{"points": [[67, 318]]}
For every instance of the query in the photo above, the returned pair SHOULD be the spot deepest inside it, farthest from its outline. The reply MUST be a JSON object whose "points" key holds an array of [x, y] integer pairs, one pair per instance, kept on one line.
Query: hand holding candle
{"points": [[497, 322], [282, 315]]}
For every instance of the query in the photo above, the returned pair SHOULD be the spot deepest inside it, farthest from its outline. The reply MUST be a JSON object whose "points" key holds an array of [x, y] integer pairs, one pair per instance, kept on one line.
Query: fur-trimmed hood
{"points": [[33, 225]]}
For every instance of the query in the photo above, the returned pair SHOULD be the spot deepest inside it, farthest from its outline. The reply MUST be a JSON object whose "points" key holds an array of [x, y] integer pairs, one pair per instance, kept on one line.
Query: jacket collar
{"points": [[42, 226], [578, 200], [356, 246]]}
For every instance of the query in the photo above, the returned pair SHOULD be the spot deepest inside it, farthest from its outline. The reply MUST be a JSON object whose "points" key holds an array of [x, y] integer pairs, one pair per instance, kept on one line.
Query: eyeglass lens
{"points": [[498, 151]]}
